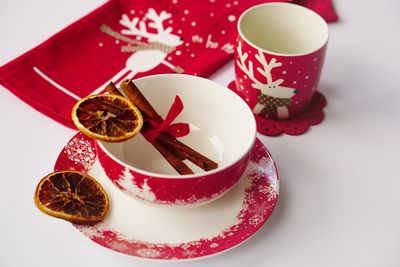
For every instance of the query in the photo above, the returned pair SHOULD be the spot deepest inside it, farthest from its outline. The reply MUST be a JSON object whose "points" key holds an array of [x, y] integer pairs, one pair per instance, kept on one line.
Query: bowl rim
{"points": [[196, 175]]}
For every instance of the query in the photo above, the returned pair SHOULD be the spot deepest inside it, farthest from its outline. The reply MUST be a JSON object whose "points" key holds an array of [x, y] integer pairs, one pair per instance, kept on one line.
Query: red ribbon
{"points": [[159, 125]]}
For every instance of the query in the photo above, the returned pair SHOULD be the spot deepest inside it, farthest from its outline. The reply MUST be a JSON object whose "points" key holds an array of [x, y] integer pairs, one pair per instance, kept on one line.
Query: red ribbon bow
{"points": [[159, 125]]}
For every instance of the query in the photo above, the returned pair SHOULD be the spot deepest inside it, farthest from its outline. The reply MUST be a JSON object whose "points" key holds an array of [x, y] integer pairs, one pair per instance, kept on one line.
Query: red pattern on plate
{"points": [[78, 154], [259, 201], [296, 125]]}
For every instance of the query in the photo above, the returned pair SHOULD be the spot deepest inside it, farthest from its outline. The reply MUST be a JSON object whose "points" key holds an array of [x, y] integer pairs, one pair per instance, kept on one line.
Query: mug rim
{"points": [[251, 9], [242, 155]]}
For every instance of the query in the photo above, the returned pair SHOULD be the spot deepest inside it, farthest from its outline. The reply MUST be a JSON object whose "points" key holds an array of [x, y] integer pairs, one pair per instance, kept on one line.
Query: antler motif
{"points": [[242, 64], [265, 70], [138, 27], [267, 67], [157, 20], [132, 27]]}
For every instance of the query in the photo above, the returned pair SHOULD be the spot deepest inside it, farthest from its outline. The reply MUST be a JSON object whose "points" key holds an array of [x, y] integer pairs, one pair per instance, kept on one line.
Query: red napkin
{"points": [[125, 39]]}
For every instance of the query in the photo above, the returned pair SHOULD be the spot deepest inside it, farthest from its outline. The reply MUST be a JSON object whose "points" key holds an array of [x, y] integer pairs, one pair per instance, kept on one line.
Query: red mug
{"points": [[279, 55]]}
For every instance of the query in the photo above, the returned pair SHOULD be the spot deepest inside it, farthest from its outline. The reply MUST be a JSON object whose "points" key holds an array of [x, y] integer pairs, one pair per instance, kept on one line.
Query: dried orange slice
{"points": [[109, 118], [72, 196]]}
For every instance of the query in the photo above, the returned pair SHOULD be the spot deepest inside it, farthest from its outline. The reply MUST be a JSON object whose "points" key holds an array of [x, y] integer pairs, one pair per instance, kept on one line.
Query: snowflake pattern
{"points": [[148, 253], [256, 219], [271, 191], [256, 170], [81, 151], [260, 208]]}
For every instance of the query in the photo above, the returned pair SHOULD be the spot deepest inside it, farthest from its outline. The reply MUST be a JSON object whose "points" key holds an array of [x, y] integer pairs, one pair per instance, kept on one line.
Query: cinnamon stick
{"points": [[172, 159], [112, 89], [138, 99], [185, 152], [166, 152], [181, 150]]}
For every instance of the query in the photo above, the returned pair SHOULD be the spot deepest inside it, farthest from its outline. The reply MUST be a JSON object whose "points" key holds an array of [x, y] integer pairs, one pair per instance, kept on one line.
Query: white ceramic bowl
{"points": [[222, 127]]}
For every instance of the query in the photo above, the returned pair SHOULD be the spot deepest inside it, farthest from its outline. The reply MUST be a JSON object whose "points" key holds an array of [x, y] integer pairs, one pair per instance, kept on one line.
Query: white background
{"points": [[340, 182]]}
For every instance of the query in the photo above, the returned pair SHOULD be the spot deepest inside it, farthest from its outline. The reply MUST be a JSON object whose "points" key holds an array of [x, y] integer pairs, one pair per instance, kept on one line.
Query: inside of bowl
{"points": [[222, 126]]}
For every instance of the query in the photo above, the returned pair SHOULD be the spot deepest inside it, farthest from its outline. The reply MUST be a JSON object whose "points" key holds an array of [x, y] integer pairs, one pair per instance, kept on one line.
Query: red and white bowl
{"points": [[222, 127]]}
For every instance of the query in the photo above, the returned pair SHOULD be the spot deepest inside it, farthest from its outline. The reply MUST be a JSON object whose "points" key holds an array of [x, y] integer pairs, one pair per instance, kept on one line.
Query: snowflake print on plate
{"points": [[256, 219], [79, 154], [153, 232], [270, 190], [259, 210], [148, 253]]}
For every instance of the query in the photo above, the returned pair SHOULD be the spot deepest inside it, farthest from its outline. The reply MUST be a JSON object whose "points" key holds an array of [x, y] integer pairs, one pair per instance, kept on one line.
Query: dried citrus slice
{"points": [[72, 196], [109, 118]]}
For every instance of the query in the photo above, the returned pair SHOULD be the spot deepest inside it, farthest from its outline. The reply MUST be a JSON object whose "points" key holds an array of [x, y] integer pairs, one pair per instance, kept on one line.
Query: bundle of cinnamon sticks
{"points": [[174, 151]]}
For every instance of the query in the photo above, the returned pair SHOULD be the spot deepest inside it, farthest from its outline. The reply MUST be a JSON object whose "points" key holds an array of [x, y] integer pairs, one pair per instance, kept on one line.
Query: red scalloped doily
{"points": [[297, 125]]}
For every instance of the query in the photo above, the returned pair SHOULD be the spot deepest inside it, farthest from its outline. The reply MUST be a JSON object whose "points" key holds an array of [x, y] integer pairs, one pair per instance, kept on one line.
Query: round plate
{"points": [[164, 233]]}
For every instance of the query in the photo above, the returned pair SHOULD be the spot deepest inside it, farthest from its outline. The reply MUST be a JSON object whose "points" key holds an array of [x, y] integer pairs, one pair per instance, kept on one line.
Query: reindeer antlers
{"points": [[132, 26], [157, 24], [242, 65], [158, 20], [265, 71]]}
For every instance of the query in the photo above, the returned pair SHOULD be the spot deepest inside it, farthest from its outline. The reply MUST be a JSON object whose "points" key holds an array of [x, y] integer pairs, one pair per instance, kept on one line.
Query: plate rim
{"points": [[88, 167]]}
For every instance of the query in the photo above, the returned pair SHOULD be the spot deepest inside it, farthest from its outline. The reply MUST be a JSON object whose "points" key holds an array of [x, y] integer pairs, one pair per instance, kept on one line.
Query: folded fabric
{"points": [[129, 39]]}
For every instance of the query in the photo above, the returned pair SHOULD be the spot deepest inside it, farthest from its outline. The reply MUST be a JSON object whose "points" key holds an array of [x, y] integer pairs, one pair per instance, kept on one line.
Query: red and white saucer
{"points": [[174, 234]]}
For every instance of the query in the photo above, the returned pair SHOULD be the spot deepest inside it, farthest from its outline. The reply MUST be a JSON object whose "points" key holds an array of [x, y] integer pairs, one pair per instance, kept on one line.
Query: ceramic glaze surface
{"points": [[280, 51], [222, 127], [156, 232]]}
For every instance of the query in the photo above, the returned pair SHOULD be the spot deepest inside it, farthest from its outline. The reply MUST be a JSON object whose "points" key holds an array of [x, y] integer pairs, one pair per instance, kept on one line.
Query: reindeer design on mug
{"points": [[146, 55], [274, 99]]}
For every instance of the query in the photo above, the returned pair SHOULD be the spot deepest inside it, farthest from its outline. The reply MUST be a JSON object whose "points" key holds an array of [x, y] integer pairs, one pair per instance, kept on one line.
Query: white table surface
{"points": [[339, 203]]}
